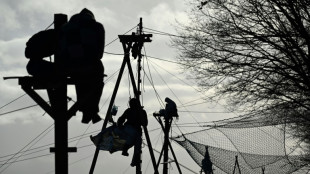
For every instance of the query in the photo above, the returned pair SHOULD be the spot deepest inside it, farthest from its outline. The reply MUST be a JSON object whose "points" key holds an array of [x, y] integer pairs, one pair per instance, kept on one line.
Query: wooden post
{"points": [[58, 108], [165, 150], [59, 105]]}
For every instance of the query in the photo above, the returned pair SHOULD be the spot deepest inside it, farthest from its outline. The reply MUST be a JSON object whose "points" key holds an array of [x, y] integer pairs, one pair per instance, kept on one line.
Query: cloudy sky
{"points": [[20, 19]]}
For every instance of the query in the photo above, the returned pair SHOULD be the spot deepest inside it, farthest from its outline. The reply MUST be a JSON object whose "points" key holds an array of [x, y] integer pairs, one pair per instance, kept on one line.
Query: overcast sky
{"points": [[20, 19]]}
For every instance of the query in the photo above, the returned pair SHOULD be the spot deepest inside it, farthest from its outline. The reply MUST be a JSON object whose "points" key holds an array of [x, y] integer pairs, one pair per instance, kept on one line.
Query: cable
{"points": [[151, 80], [194, 88], [157, 140], [40, 150], [166, 60], [189, 84], [172, 92], [12, 101], [194, 104], [170, 61], [156, 93], [43, 155], [7, 162], [163, 33], [118, 38], [181, 103], [52, 143], [205, 112], [27, 107], [172, 159], [49, 25], [10, 163], [116, 54]]}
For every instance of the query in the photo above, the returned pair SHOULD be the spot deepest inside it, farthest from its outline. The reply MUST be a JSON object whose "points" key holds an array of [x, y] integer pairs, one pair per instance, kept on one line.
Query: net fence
{"points": [[246, 145]]}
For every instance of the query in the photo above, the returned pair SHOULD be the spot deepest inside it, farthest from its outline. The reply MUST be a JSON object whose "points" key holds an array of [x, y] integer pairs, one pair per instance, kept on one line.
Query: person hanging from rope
{"points": [[82, 42], [135, 117]]}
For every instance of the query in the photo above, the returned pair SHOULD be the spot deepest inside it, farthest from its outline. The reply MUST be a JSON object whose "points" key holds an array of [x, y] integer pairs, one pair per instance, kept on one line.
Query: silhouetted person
{"points": [[80, 43], [171, 108], [206, 163], [81, 46], [135, 117], [41, 45]]}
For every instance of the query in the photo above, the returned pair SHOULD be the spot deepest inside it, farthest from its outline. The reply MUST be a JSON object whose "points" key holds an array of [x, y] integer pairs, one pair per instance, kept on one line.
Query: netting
{"points": [[246, 145]]}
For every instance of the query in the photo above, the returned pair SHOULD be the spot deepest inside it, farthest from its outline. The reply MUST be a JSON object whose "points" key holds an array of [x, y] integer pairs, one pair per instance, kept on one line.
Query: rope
{"points": [[151, 80], [173, 93]]}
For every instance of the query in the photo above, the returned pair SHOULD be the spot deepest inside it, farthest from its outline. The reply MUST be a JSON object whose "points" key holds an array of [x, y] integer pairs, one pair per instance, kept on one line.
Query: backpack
{"points": [[42, 44]]}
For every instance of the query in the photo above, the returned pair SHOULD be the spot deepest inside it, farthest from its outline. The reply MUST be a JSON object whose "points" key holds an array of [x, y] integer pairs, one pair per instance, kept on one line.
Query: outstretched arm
{"points": [[121, 119]]}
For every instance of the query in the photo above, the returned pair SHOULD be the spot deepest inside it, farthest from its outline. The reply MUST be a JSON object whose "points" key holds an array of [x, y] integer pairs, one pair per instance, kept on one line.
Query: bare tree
{"points": [[255, 53]]}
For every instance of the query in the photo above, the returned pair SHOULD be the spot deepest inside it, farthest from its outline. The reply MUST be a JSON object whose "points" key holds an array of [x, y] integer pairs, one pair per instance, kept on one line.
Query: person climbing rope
{"points": [[135, 117]]}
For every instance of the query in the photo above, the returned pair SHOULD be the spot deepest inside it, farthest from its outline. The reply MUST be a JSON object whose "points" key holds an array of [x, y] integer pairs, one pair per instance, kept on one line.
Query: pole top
{"points": [[60, 19]]}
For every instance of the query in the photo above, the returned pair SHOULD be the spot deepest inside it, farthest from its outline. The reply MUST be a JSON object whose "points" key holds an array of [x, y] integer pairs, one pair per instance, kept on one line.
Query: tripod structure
{"points": [[132, 42], [165, 149]]}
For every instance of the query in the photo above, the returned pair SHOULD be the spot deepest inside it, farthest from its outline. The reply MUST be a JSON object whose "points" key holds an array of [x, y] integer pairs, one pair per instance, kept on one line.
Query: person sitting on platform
{"points": [[171, 108], [82, 42], [41, 45], [135, 117]]}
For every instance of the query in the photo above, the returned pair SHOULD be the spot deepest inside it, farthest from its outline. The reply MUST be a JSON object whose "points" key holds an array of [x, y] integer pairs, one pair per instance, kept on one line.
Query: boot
{"points": [[86, 118], [96, 118], [125, 150]]}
